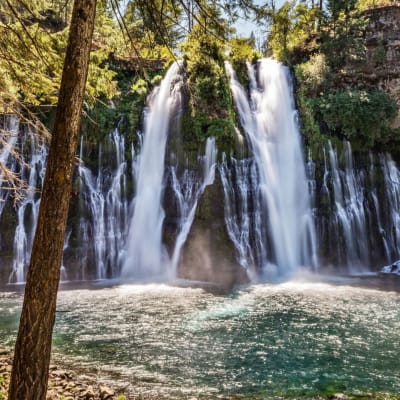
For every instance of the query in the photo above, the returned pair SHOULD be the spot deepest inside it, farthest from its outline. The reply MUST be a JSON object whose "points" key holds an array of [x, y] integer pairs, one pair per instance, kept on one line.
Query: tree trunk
{"points": [[33, 347]]}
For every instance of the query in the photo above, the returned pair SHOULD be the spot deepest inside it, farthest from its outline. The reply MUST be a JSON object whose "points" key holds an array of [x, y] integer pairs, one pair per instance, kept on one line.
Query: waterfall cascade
{"points": [[274, 204], [104, 196], [269, 121], [188, 194], [243, 216], [11, 128], [146, 255], [103, 206], [23, 153], [28, 209], [358, 210]]}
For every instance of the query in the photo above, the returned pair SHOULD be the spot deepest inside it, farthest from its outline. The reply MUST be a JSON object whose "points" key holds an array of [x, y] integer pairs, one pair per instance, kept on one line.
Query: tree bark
{"points": [[33, 347]]}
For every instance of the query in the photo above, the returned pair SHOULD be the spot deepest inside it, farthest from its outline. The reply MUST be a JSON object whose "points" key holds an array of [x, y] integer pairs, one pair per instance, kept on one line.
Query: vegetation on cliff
{"points": [[322, 45]]}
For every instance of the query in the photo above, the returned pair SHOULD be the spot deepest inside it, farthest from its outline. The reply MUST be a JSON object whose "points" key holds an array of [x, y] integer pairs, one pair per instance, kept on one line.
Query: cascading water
{"points": [[243, 211], [349, 213], [32, 171], [188, 194], [391, 205], [358, 210], [272, 199], [269, 121], [104, 195], [11, 127], [146, 256]]}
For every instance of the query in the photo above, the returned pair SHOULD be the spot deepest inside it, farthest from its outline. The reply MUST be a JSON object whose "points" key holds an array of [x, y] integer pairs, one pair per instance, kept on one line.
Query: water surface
{"points": [[284, 340]]}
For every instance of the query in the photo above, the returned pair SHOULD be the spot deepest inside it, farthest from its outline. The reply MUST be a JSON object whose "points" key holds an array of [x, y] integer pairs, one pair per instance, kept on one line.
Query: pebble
{"points": [[63, 384]]}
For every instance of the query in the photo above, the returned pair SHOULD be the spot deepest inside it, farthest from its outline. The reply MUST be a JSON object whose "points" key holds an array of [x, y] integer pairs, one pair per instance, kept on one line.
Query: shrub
{"points": [[359, 114]]}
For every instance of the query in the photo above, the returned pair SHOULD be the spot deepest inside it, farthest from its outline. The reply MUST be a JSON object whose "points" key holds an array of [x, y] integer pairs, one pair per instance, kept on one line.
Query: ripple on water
{"points": [[293, 338]]}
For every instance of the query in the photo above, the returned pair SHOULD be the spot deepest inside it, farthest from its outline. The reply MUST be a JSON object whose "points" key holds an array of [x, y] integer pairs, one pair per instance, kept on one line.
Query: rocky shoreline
{"points": [[63, 384]]}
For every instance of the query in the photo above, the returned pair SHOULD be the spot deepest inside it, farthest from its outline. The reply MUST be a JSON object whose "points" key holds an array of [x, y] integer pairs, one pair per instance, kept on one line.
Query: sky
{"points": [[244, 28]]}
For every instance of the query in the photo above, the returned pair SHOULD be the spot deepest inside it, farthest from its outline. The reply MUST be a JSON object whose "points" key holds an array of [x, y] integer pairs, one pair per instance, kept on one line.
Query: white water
{"points": [[11, 127], [391, 235], [358, 219], [188, 195], [146, 256], [243, 211], [32, 171], [104, 195], [349, 212], [359, 224], [269, 121]]}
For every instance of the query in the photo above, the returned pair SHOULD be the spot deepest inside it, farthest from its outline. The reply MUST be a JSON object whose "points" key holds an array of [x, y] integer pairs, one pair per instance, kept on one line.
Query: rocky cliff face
{"points": [[382, 67], [383, 49]]}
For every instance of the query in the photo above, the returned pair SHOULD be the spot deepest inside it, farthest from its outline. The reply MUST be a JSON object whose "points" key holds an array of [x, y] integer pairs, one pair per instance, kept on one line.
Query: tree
{"points": [[33, 347]]}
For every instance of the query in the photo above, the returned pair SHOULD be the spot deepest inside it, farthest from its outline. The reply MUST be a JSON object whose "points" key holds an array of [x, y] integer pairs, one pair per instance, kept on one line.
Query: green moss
{"points": [[241, 51], [124, 111]]}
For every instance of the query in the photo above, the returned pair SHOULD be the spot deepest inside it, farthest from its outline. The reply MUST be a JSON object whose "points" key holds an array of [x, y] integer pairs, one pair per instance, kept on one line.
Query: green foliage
{"points": [[360, 115], [153, 25], [365, 4], [320, 46], [292, 26], [242, 51], [210, 111], [34, 38], [343, 34], [313, 73]]}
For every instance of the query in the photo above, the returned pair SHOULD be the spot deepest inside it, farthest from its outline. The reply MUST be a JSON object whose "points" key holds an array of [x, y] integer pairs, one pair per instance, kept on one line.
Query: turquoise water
{"points": [[287, 340]]}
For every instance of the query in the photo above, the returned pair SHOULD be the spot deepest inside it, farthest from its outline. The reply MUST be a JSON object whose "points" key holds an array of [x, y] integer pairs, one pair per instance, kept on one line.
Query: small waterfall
{"points": [[391, 207], [32, 171], [104, 196], [269, 121], [243, 211], [145, 256], [349, 216], [188, 194], [358, 210], [11, 130]]}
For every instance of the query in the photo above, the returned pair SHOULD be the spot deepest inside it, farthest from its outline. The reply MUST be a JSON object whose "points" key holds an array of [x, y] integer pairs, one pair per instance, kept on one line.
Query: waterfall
{"points": [[243, 217], [269, 121], [103, 214], [11, 129], [104, 196], [391, 207], [32, 171], [359, 210], [348, 215], [188, 194], [145, 256], [274, 202]]}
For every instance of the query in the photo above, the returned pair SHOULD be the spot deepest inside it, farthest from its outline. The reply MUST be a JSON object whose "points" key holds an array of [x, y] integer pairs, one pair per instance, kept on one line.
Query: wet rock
{"points": [[392, 269]]}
